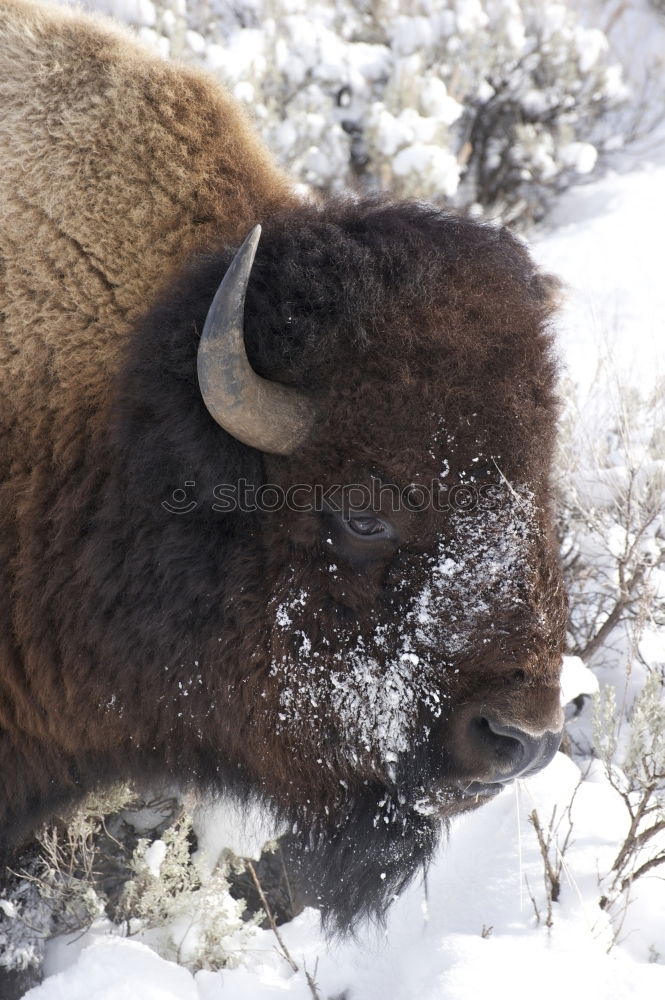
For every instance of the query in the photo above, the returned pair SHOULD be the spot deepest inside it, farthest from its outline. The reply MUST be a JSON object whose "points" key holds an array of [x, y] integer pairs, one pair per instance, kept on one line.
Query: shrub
{"points": [[92, 864], [492, 105]]}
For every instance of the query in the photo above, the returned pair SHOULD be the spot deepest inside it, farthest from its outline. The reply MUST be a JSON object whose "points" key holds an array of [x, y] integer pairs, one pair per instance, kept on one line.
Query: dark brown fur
{"points": [[137, 642]]}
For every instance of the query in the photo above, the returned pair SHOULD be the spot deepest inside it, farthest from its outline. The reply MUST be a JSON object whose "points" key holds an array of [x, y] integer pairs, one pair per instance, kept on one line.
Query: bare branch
{"points": [[286, 955]]}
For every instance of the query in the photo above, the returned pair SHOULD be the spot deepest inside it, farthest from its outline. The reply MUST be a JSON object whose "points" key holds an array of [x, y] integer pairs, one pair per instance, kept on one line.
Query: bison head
{"points": [[383, 644]]}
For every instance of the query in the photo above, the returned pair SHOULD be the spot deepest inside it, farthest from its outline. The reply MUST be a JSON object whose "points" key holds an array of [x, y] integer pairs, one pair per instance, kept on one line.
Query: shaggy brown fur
{"points": [[113, 166], [245, 651]]}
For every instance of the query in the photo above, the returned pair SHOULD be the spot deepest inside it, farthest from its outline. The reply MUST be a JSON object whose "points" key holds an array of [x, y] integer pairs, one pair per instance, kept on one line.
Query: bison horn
{"points": [[263, 414]]}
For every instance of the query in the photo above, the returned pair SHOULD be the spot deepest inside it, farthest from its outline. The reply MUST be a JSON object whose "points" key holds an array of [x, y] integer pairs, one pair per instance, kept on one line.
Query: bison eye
{"points": [[361, 535], [366, 525]]}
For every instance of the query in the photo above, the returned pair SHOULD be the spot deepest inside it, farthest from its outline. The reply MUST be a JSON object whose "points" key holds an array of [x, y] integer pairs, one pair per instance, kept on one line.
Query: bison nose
{"points": [[509, 752]]}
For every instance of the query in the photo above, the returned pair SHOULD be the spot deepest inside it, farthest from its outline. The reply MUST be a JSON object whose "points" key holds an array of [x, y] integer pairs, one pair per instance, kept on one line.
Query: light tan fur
{"points": [[113, 165]]}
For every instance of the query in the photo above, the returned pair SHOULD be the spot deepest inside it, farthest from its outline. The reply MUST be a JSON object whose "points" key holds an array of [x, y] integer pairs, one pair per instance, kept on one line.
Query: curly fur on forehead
{"points": [[402, 274], [364, 302]]}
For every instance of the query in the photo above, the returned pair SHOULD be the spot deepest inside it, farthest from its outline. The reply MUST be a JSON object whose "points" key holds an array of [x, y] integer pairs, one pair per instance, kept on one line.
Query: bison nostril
{"points": [[501, 747], [506, 751]]}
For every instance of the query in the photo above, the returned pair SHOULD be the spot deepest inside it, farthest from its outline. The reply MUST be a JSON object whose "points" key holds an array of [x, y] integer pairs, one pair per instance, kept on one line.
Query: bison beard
{"points": [[354, 869], [367, 692]]}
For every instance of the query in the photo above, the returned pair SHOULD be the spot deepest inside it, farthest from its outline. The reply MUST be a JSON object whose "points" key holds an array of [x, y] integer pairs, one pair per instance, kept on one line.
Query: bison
{"points": [[276, 515]]}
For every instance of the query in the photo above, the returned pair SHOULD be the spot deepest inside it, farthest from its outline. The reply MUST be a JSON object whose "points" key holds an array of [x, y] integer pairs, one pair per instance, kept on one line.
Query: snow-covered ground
{"points": [[603, 239], [480, 925], [474, 934]]}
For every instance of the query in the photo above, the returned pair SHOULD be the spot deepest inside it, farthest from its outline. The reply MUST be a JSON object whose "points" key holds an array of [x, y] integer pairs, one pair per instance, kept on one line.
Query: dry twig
{"points": [[284, 951]]}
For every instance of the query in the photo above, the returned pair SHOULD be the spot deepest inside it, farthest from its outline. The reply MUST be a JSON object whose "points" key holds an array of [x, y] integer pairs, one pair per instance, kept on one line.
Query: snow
{"points": [[225, 825], [576, 679], [437, 102], [154, 857], [138, 12], [582, 156], [8, 908], [476, 936], [605, 240], [421, 159], [111, 968], [590, 45]]}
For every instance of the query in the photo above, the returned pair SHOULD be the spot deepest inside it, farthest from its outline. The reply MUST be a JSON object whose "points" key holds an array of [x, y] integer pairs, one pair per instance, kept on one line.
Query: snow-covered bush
{"points": [[612, 521], [632, 750], [612, 504], [481, 104], [54, 887], [26, 921], [199, 923], [91, 865]]}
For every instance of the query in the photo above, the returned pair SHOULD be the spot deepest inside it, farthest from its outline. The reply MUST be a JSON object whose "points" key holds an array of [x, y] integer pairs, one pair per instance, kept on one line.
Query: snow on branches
{"points": [[491, 105]]}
